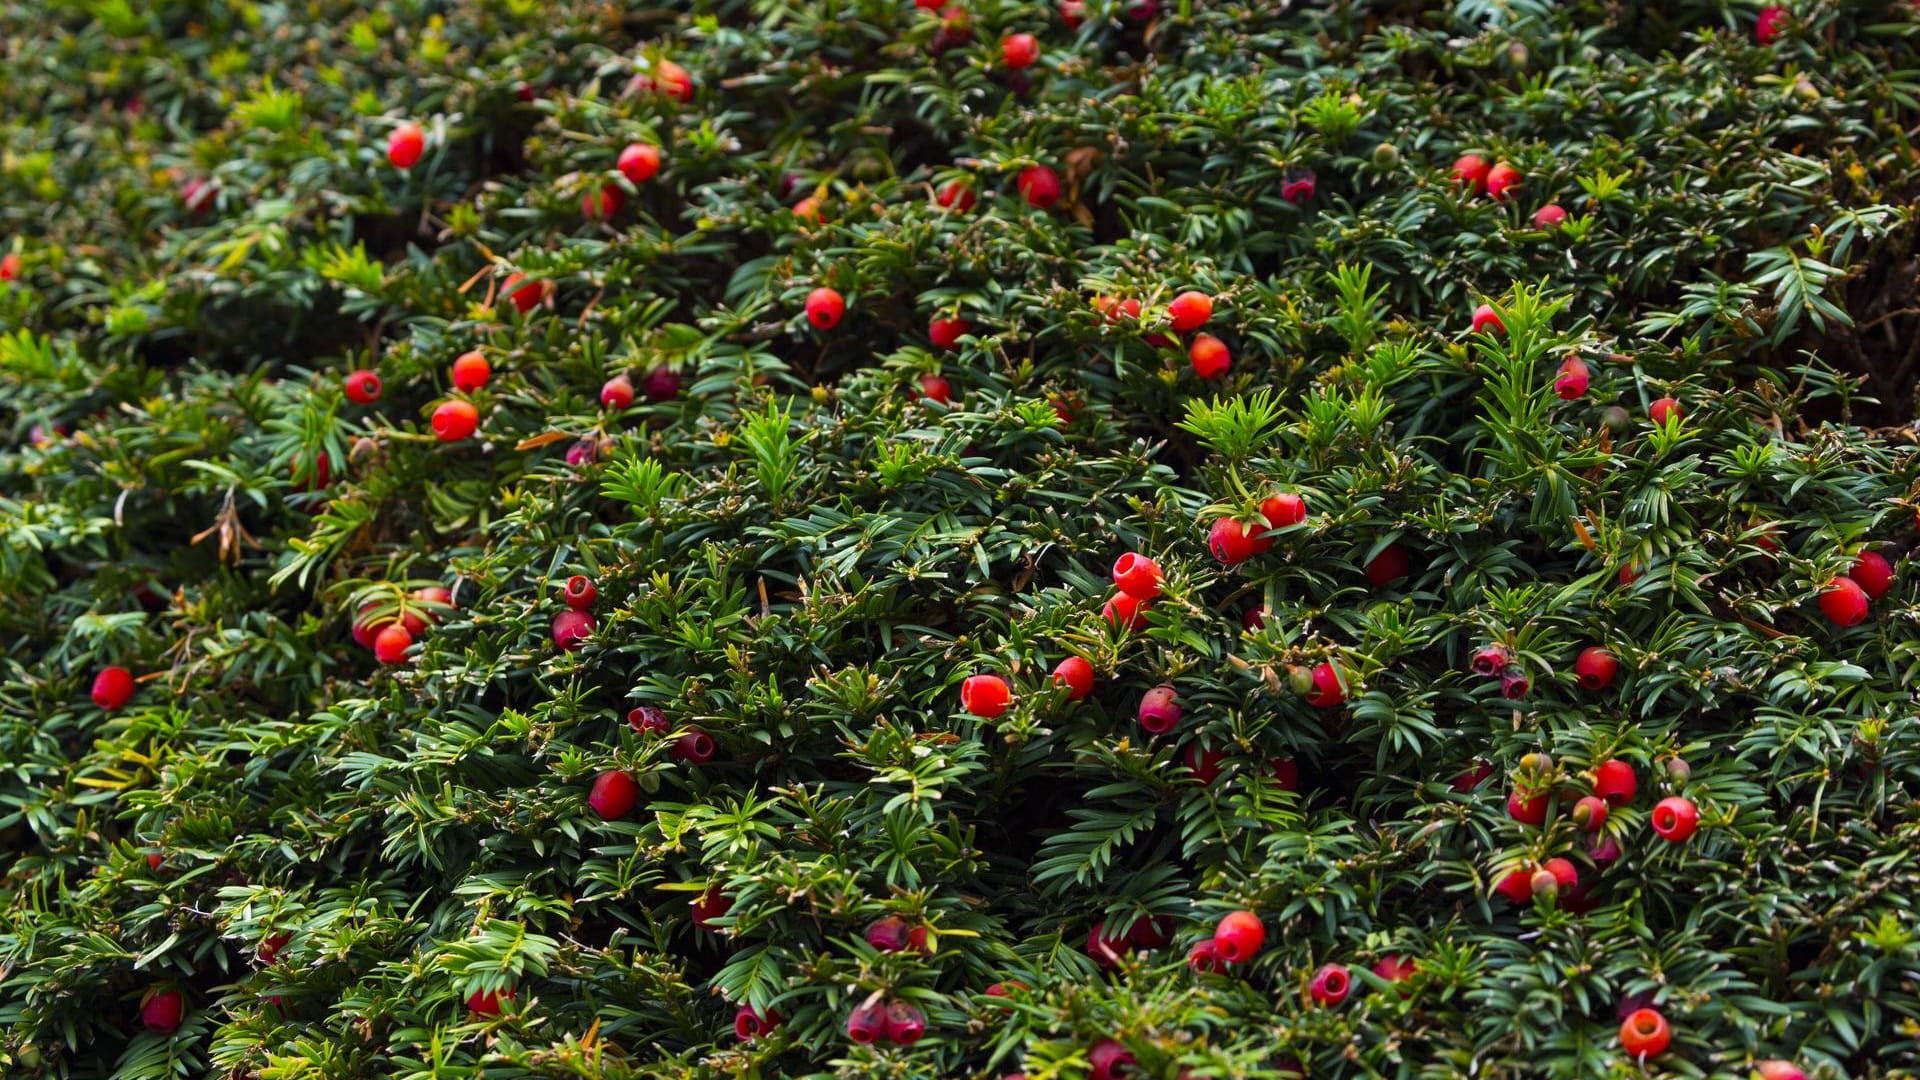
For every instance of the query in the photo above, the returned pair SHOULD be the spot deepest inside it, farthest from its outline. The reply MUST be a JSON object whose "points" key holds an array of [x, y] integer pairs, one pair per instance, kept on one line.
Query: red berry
{"points": [[1395, 968], [867, 1023], [1019, 50], [1527, 810], [9, 266], [471, 371], [1844, 602], [1137, 576], [905, 1023], [1327, 691], [1330, 985], [1071, 13], [1490, 660], [614, 794], [616, 393], [809, 211], [1573, 379], [1770, 25], [1614, 781], [1239, 936], [708, 906], [936, 389], [985, 696], [406, 144], [570, 628], [1630, 572], [455, 420], [1387, 567], [639, 162], [1254, 619], [1107, 946], [1595, 668], [390, 645], [1675, 819], [270, 946], [162, 1010], [1470, 171], [1565, 877], [1190, 311], [363, 387], [1204, 958], [1109, 1061], [319, 477], [955, 195], [197, 194], [1151, 932], [749, 1024], [1006, 989], [1286, 773], [648, 720], [1645, 1034], [1778, 1070], [1473, 777], [1126, 611], [580, 592], [1590, 813], [1209, 356], [1487, 321], [1076, 674], [1205, 764], [667, 79], [603, 204], [1299, 188], [888, 933], [1873, 573], [1517, 886], [1159, 710], [1663, 409], [1116, 310], [1501, 179], [696, 747], [1283, 510], [1549, 216], [487, 1002], [112, 687], [662, 384], [825, 307], [1232, 542], [1514, 684], [1605, 852], [523, 292], [946, 333], [1040, 186]]}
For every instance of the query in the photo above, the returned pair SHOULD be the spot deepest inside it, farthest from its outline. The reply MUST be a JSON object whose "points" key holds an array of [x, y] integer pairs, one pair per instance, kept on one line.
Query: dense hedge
{"points": [[799, 553]]}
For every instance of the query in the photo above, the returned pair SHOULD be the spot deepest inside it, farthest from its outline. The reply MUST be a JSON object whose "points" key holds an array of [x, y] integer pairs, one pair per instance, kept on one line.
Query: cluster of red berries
{"points": [[390, 637], [1239, 937], [898, 1022], [1108, 946], [1497, 661], [1613, 785], [572, 625], [1233, 542], [1477, 176], [1845, 599], [694, 746]]}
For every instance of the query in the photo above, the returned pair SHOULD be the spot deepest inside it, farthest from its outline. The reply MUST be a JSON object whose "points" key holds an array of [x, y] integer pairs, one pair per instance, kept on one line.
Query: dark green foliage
{"points": [[798, 557]]}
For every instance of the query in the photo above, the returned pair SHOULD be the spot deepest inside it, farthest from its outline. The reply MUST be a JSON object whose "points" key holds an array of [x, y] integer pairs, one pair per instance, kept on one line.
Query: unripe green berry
{"points": [[1386, 156]]}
